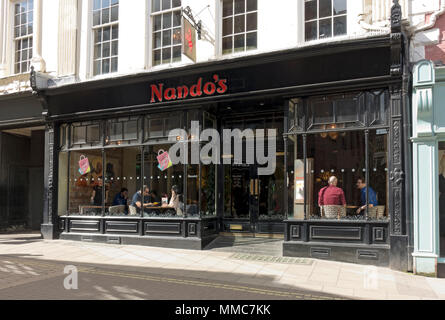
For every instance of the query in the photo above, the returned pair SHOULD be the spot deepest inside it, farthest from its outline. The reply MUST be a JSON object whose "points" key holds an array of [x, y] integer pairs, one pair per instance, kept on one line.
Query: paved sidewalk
{"points": [[322, 277]]}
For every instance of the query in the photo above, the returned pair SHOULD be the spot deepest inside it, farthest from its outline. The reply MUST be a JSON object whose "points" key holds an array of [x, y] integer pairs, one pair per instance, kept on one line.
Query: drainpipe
{"points": [[433, 19]]}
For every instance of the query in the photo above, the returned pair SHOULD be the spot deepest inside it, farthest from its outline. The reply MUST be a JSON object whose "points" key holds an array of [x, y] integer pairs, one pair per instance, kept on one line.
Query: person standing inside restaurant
{"points": [[372, 196], [331, 194]]}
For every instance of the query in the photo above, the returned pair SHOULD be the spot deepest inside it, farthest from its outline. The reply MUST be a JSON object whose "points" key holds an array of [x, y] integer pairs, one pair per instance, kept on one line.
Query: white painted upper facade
{"points": [[63, 36]]}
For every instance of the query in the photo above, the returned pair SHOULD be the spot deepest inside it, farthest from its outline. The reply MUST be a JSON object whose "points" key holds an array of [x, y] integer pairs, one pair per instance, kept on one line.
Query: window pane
{"points": [[240, 6], [106, 49], [177, 36], [166, 38], [227, 8], [322, 111], [156, 5], [339, 7], [114, 13], [113, 2], [252, 5], [227, 45], [165, 4], [122, 174], [347, 110], [340, 155], [114, 48], [157, 22], [310, 10], [96, 17], [96, 4], [378, 176], [251, 19], [239, 43], [176, 3], [166, 55], [106, 34], [325, 9], [79, 134], [86, 183], [156, 57], [131, 130], [166, 20], [227, 26], [208, 190], [116, 131], [339, 26], [157, 40], [106, 66], [251, 41], [325, 26], [93, 134], [62, 191], [177, 18], [115, 32], [310, 30], [96, 67], [114, 64], [172, 123], [105, 15], [156, 128], [105, 3], [240, 24], [177, 53], [161, 183], [97, 35], [97, 51]]}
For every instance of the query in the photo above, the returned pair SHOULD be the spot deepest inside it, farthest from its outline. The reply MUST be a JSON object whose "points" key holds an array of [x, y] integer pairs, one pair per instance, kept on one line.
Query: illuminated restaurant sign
{"points": [[161, 93]]}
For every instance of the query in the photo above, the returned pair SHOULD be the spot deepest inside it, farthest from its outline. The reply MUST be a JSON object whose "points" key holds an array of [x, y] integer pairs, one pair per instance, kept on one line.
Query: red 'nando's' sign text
{"points": [[160, 93]]}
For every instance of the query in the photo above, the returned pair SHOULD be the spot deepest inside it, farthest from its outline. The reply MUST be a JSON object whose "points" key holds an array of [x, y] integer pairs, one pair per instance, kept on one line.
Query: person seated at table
{"points": [[331, 194], [121, 199], [137, 198], [154, 196], [372, 197], [175, 201]]}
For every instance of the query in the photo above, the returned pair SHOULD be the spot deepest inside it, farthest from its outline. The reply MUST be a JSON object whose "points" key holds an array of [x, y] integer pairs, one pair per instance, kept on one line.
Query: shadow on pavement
{"points": [[104, 282]]}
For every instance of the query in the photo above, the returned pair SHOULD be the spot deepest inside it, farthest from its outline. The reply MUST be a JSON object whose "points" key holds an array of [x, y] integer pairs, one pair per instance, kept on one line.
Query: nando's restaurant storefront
{"points": [[338, 110]]}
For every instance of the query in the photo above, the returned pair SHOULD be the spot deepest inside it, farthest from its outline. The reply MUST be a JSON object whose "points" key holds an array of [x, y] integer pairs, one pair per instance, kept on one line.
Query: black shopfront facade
{"points": [[338, 109]]}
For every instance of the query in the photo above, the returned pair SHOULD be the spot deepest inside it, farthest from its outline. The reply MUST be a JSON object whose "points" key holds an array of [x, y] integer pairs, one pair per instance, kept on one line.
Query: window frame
{"points": [[317, 20], [221, 30], [29, 36], [151, 26], [93, 28]]}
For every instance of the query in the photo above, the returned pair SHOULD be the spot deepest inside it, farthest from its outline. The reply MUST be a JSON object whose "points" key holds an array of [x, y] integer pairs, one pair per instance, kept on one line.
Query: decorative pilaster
{"points": [[37, 60], [67, 37]]}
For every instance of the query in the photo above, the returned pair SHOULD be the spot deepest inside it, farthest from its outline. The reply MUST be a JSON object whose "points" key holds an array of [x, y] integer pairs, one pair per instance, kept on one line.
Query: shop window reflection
{"points": [[161, 182], [122, 176], [86, 183]]}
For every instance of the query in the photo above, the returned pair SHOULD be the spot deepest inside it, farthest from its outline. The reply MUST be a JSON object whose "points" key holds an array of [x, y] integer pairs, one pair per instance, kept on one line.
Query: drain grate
{"points": [[272, 259]]}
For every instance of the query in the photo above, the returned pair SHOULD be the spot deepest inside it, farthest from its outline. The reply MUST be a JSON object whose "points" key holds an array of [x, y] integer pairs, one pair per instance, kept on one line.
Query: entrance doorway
{"points": [[21, 178], [253, 204]]}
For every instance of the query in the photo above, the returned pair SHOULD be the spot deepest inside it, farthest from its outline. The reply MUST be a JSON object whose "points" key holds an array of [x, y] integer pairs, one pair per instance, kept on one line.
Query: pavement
{"points": [[33, 268]]}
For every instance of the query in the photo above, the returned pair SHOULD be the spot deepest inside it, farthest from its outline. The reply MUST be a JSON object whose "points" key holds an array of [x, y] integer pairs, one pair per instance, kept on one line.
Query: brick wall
{"points": [[437, 52]]}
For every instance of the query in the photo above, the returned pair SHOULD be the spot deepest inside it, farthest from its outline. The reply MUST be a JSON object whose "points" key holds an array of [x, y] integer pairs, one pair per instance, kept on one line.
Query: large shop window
{"points": [[113, 168], [239, 25], [106, 36], [324, 19], [338, 157], [167, 31]]}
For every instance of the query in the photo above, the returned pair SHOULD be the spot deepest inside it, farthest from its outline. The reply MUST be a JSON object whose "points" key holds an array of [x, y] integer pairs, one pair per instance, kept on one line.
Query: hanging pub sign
{"points": [[189, 40], [202, 87]]}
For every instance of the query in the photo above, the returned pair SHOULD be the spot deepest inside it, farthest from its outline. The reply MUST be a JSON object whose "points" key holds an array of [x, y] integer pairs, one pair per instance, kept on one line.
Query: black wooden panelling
{"points": [[378, 234], [367, 254], [267, 227], [335, 233], [121, 226], [320, 252], [295, 232], [192, 229], [173, 228], [84, 225], [209, 227]]}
